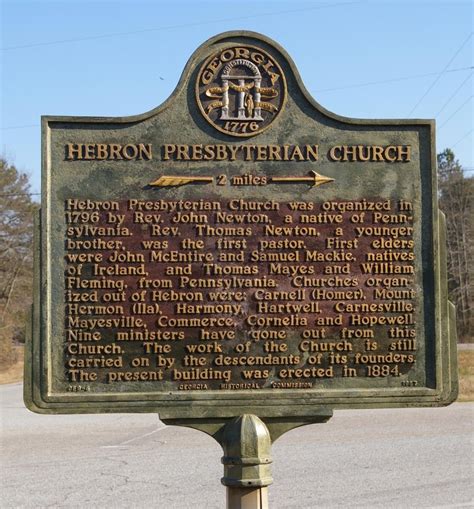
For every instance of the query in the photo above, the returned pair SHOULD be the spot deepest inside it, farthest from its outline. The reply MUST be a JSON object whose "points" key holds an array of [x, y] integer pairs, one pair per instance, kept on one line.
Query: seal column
{"points": [[258, 109], [241, 97], [225, 100]]}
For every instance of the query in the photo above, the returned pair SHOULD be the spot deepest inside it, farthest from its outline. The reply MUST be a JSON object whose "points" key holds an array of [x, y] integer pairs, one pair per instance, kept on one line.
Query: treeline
{"points": [[16, 258], [456, 190]]}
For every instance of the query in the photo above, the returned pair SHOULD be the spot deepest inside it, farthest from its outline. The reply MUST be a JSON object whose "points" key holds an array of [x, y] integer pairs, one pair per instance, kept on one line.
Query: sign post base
{"points": [[247, 441], [247, 462]]}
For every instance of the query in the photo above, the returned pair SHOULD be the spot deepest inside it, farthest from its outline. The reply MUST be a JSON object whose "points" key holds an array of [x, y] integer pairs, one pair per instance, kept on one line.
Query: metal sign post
{"points": [[246, 442]]}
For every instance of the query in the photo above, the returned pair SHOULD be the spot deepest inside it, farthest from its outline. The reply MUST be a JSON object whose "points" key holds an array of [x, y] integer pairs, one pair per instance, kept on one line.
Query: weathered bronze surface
{"points": [[239, 250]]}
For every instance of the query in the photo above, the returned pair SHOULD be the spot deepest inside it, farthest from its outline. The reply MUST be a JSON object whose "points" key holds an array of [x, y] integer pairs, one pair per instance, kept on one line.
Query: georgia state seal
{"points": [[240, 90]]}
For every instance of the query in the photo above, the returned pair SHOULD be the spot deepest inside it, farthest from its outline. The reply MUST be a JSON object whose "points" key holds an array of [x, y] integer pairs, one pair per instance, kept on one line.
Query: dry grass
{"points": [[466, 375], [13, 373]]}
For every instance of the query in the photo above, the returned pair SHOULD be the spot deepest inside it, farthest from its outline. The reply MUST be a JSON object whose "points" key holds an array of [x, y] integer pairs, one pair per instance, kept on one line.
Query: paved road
{"points": [[385, 458]]}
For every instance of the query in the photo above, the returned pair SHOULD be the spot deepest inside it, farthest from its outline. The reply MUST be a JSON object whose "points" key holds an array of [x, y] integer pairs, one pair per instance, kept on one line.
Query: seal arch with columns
{"points": [[247, 86]]}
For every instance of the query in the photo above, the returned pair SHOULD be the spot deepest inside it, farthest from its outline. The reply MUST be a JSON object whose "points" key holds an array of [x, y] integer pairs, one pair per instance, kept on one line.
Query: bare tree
{"points": [[456, 201], [16, 234]]}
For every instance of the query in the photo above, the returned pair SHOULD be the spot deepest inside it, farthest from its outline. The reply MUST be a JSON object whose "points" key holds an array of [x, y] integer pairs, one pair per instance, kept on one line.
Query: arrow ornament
{"points": [[174, 181], [316, 179]]}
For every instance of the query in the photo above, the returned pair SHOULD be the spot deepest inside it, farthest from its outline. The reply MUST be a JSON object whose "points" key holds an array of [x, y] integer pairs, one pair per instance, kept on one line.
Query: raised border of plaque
{"points": [[43, 346]]}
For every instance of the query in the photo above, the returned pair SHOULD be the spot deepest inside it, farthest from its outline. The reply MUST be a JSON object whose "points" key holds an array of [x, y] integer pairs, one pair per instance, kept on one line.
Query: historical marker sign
{"points": [[239, 249]]}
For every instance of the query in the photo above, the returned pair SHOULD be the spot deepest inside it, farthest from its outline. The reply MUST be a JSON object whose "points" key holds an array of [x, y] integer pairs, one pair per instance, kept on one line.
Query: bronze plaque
{"points": [[239, 249], [240, 90]]}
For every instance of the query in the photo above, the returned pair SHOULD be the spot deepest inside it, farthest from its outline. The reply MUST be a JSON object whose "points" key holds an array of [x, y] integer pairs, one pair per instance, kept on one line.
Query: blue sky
{"points": [[366, 59]]}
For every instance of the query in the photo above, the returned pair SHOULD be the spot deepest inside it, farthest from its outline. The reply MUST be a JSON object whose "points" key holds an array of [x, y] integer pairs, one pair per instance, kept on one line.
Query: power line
{"points": [[440, 74], [451, 116], [19, 126], [173, 27], [358, 85], [462, 138], [414, 76], [19, 194], [454, 94]]}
